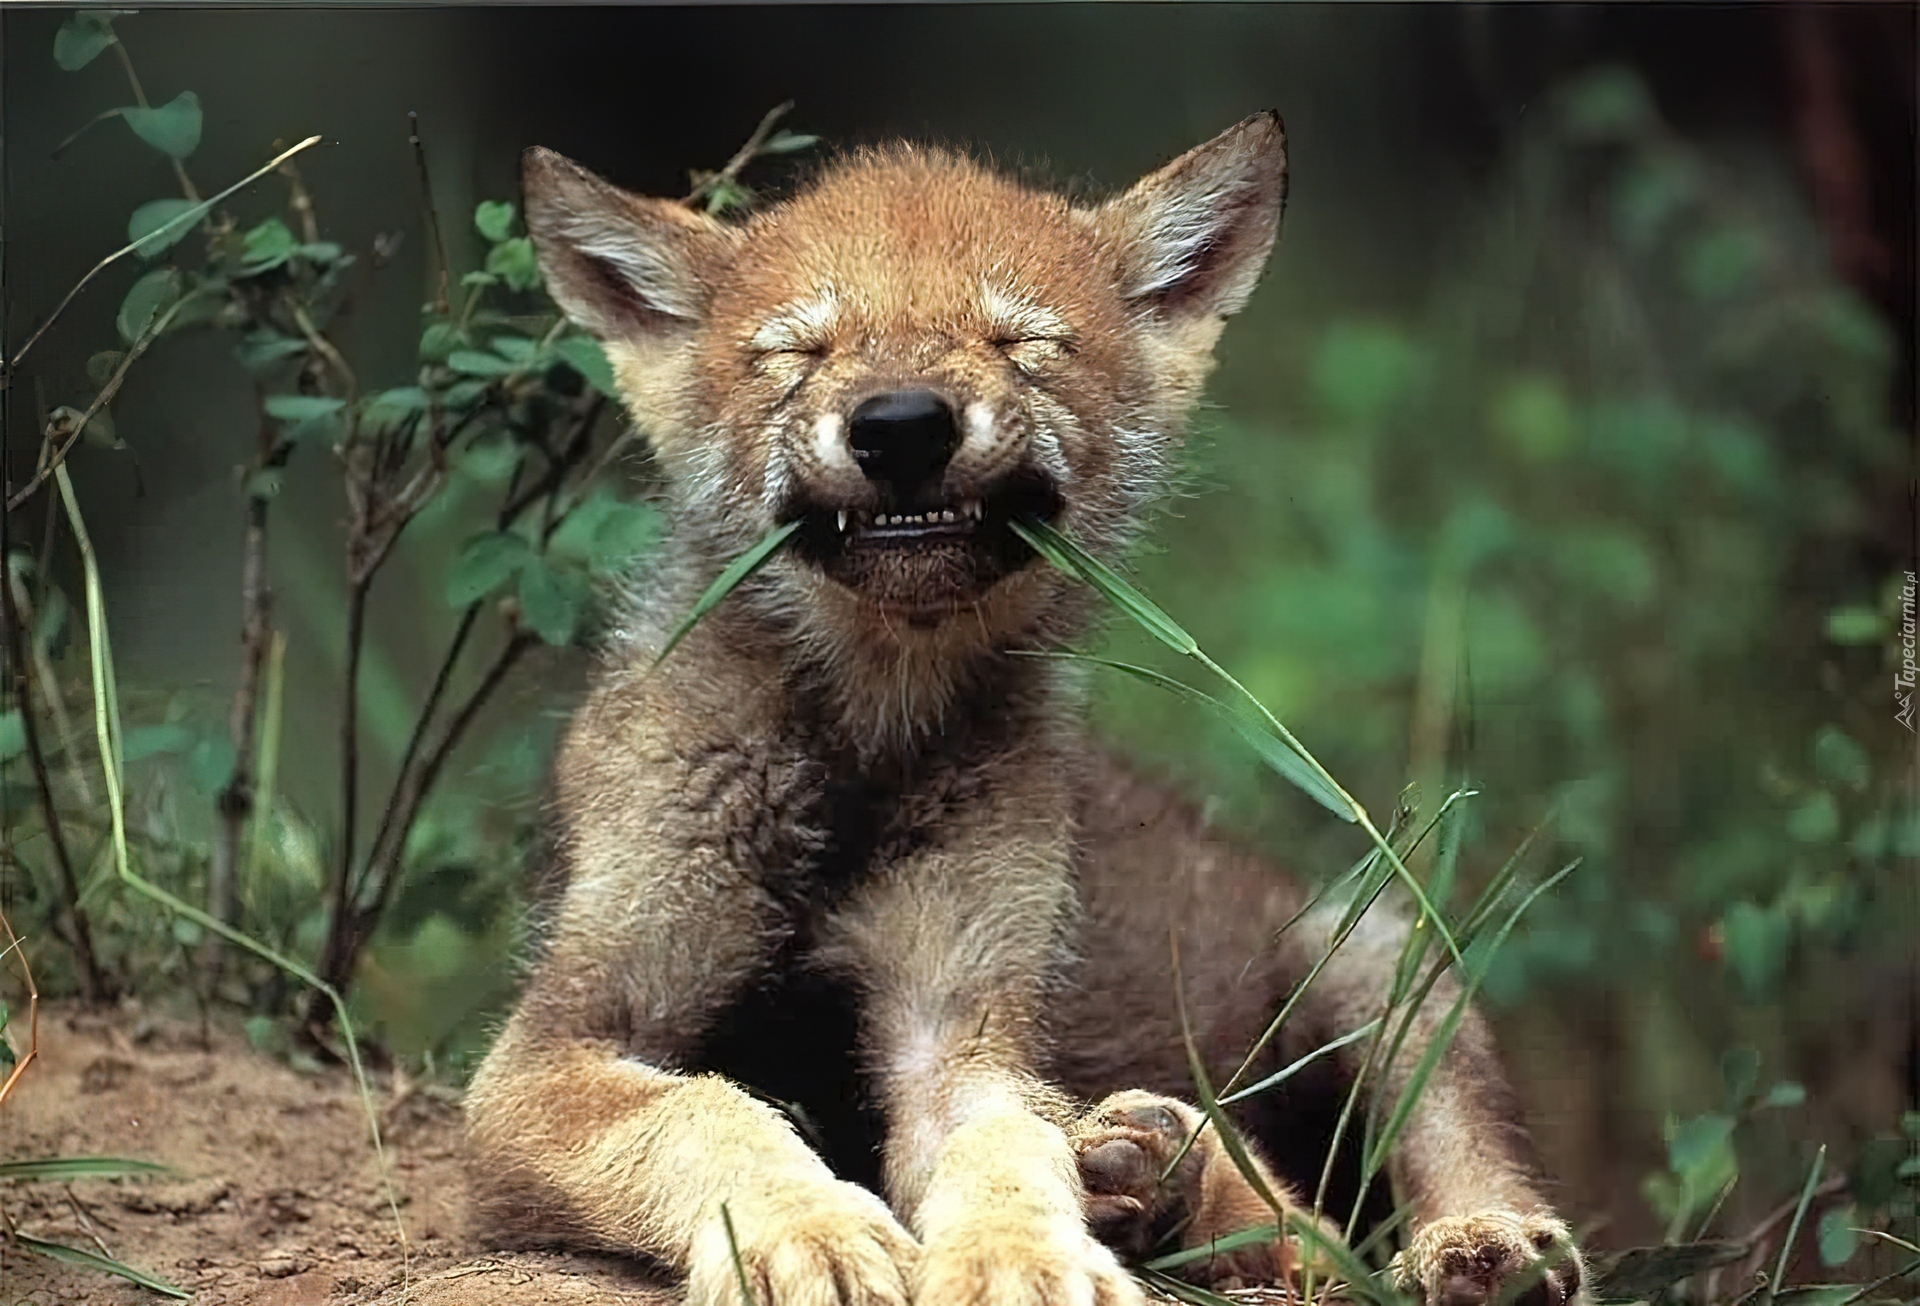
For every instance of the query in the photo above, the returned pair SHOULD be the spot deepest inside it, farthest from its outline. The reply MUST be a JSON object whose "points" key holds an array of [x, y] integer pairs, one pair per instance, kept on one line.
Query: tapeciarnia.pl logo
{"points": [[1903, 678]]}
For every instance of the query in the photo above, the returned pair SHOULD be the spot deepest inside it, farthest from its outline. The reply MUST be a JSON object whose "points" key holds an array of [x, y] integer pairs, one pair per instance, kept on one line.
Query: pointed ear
{"points": [[1195, 235], [622, 266]]}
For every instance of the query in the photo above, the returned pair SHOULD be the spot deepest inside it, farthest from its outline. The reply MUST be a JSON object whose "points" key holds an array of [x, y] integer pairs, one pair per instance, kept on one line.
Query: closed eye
{"points": [[1031, 353]]}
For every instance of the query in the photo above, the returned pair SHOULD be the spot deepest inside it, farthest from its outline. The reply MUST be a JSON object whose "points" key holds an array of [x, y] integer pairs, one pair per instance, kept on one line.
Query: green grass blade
{"points": [[1271, 750], [1430, 1058], [1361, 1281], [78, 1167], [95, 1261], [1072, 560], [726, 582], [1259, 1233], [733, 1250], [1181, 1290], [1282, 1076], [1203, 1088], [1793, 1227], [107, 733]]}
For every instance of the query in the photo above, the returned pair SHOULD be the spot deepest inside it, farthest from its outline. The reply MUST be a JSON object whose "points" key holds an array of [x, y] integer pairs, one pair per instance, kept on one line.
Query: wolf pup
{"points": [[847, 905]]}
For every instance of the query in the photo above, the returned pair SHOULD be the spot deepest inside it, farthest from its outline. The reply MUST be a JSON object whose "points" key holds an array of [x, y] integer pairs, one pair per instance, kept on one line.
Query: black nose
{"points": [[903, 440]]}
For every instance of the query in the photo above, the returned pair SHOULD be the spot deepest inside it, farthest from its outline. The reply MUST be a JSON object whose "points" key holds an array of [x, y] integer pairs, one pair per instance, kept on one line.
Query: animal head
{"points": [[905, 356]]}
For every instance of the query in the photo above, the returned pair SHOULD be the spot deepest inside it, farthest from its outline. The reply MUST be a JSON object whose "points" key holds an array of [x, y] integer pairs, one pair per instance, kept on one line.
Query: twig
{"points": [[235, 803], [746, 154], [92, 980], [86, 1225], [33, 1010], [441, 299], [510, 653], [195, 213], [48, 683], [107, 392]]}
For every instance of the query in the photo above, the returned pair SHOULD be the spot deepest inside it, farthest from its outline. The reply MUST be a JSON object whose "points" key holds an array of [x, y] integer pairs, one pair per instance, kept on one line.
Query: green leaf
{"points": [[13, 734], [266, 246], [1856, 625], [157, 226], [494, 219], [210, 764], [101, 366], [550, 602], [320, 251], [513, 262], [490, 458], [628, 531], [515, 349], [1816, 819], [484, 564], [302, 408], [148, 297], [147, 741], [1639, 1273], [1072, 560], [172, 128], [1838, 1239], [1692, 1144], [585, 355], [1786, 1093], [1755, 941], [264, 1034], [259, 350], [93, 1261], [479, 279], [1724, 262], [1838, 757], [439, 340], [474, 363], [83, 37], [58, 1169], [1608, 104], [786, 142], [390, 405], [266, 483], [1739, 1072], [726, 582]]}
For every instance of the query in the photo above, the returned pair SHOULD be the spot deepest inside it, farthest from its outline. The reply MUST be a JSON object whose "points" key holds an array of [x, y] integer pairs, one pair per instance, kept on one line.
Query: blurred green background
{"points": [[1565, 455]]}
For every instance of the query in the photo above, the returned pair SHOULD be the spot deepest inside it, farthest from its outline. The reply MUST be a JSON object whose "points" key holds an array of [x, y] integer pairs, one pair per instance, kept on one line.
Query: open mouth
{"points": [[929, 552]]}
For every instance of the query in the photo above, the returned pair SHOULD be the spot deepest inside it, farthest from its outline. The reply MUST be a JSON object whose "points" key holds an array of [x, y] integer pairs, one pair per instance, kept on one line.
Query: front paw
{"points": [[816, 1242], [1474, 1260], [1135, 1204], [1001, 1261]]}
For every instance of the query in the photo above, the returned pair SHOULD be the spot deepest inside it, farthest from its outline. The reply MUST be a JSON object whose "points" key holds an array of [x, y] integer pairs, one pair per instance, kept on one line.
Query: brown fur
{"points": [[848, 849]]}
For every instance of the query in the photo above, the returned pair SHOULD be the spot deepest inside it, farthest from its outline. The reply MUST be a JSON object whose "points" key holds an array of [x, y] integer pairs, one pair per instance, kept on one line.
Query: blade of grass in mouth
{"points": [[726, 582]]}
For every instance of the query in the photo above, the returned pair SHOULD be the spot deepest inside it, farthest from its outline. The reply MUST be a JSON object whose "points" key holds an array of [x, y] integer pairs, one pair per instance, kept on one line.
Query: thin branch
{"points": [[93, 982], [441, 300], [503, 662], [78, 425], [746, 154], [235, 804], [193, 214]]}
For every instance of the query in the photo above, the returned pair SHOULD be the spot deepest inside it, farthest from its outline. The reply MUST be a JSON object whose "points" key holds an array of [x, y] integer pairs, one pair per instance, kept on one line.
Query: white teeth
{"points": [[843, 521], [973, 509], [879, 519], [946, 514]]}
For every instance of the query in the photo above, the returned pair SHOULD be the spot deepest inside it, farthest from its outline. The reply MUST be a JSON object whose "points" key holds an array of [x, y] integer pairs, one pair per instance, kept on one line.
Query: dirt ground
{"points": [[276, 1201]]}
